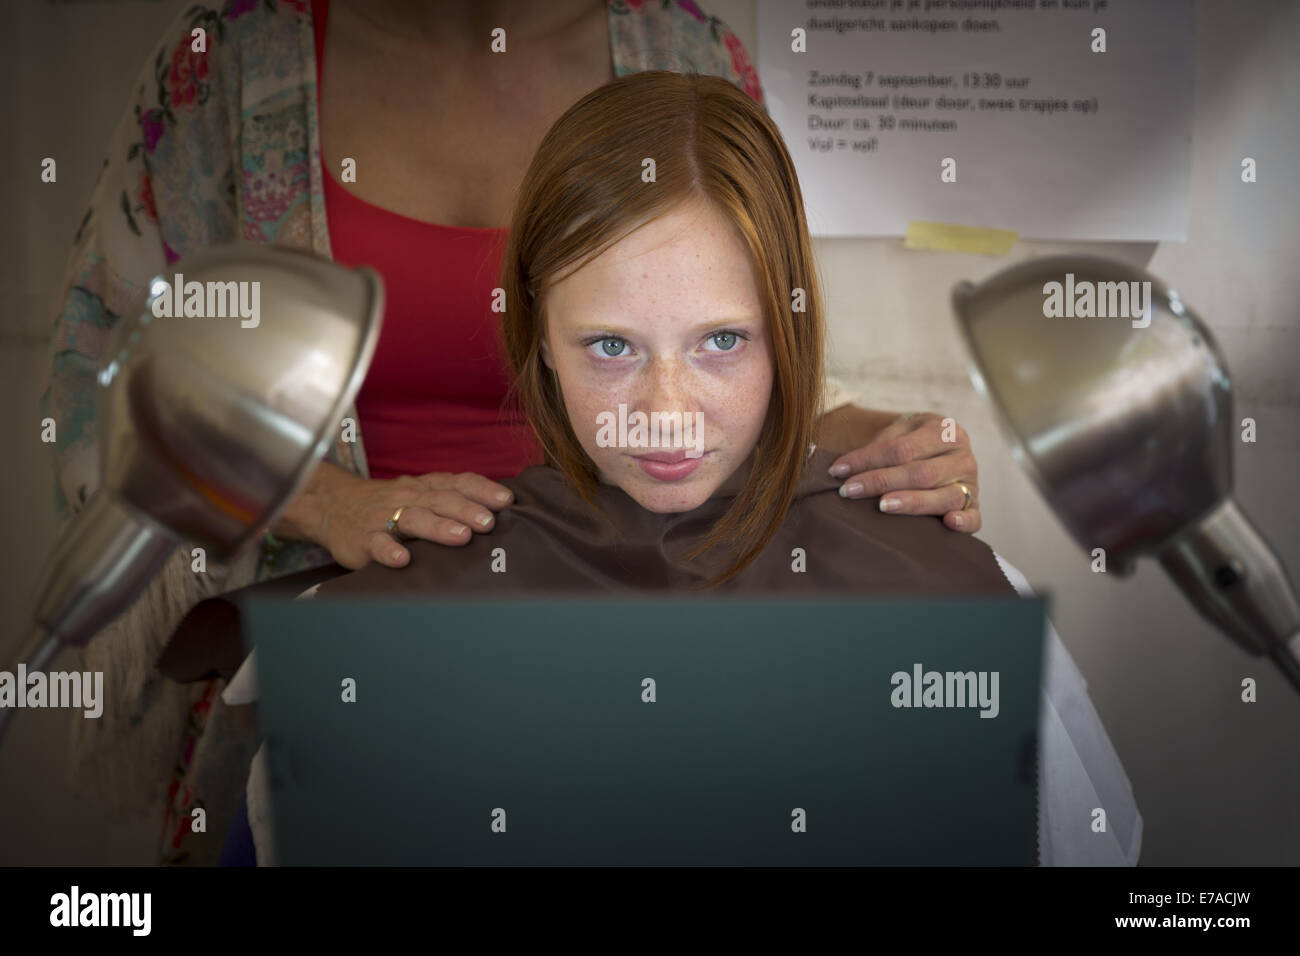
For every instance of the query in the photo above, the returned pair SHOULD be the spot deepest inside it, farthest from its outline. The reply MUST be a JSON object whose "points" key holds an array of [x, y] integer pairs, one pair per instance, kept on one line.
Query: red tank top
{"points": [[433, 397]]}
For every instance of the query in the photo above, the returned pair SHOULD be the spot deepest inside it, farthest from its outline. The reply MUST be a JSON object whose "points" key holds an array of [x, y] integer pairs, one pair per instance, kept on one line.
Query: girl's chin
{"points": [[670, 497], [661, 490], [667, 503]]}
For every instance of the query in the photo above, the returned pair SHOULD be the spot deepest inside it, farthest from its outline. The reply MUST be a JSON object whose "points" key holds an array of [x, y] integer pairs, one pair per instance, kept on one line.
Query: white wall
{"points": [[1216, 780]]}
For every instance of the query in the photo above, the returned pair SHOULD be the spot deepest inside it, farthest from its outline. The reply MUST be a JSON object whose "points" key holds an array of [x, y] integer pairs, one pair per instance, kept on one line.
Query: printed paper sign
{"points": [[1058, 119]]}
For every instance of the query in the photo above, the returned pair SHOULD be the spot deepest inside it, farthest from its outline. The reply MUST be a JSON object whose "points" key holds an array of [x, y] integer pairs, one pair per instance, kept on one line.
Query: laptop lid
{"points": [[717, 732]]}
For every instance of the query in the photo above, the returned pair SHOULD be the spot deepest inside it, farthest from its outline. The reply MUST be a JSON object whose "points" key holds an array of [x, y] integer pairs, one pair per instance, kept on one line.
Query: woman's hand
{"points": [[348, 514], [913, 465]]}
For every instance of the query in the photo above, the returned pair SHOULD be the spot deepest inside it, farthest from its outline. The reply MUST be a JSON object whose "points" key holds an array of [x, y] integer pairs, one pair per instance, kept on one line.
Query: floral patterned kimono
{"points": [[215, 146]]}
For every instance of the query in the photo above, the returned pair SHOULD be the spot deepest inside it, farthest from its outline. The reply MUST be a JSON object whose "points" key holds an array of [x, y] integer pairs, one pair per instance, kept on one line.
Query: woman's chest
{"points": [[445, 144]]}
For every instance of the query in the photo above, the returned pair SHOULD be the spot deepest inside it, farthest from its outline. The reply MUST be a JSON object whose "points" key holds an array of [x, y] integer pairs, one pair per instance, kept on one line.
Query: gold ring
{"points": [[391, 527], [965, 491]]}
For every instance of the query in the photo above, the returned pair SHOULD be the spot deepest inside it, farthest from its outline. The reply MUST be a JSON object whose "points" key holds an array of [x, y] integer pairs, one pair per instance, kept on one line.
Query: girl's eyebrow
{"points": [[623, 331]]}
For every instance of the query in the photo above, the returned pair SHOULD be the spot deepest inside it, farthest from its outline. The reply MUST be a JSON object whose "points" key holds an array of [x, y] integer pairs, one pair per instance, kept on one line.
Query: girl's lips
{"points": [[668, 466]]}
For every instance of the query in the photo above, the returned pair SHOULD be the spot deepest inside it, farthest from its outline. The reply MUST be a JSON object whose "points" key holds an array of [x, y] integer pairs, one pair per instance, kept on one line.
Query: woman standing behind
{"points": [[248, 124]]}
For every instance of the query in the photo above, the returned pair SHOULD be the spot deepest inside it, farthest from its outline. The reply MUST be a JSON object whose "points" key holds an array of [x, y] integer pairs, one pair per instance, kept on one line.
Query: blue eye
{"points": [[724, 340], [613, 347]]}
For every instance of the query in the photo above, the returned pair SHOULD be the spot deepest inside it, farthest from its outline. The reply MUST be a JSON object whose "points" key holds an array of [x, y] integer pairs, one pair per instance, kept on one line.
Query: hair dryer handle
{"points": [[103, 560], [1234, 579]]}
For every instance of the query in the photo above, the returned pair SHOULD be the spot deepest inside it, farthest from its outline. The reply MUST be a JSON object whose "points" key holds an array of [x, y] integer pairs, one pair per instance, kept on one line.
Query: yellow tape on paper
{"points": [[945, 237]]}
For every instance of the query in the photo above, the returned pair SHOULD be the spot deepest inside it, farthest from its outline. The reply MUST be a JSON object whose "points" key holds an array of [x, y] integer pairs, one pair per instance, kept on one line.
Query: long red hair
{"points": [[583, 192]]}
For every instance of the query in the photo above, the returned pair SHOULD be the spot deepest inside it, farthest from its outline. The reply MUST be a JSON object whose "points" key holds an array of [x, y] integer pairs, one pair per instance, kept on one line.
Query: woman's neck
{"points": [[461, 23]]}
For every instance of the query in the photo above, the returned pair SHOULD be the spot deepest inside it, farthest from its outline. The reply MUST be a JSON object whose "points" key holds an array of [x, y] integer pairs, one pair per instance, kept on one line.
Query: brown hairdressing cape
{"points": [[555, 542]]}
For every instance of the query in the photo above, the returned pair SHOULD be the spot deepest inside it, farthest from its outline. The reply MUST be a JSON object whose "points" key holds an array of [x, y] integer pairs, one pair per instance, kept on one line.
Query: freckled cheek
{"points": [[737, 405], [585, 403]]}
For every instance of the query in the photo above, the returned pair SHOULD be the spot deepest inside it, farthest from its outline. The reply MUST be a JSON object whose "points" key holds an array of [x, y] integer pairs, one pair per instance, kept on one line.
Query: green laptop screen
{"points": [[638, 732]]}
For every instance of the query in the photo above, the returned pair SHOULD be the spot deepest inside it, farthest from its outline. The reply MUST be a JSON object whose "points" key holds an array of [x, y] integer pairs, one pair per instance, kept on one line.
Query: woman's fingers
{"points": [[911, 438], [417, 522], [940, 501], [442, 508], [384, 548], [916, 466], [451, 505], [477, 488], [930, 474], [947, 501], [446, 508], [967, 522], [447, 523]]}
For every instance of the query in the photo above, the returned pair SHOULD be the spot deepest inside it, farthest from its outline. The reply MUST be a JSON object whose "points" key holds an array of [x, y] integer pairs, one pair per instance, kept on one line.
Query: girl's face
{"points": [[665, 331]]}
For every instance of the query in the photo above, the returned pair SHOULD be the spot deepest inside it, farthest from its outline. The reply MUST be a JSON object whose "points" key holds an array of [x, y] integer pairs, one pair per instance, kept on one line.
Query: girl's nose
{"points": [[669, 388]]}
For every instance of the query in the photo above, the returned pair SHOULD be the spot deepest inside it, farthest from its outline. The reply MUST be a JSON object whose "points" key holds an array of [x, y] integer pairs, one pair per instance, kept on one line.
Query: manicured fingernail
{"points": [[890, 504], [839, 471], [459, 529], [395, 556], [956, 520], [503, 496], [849, 491], [484, 520]]}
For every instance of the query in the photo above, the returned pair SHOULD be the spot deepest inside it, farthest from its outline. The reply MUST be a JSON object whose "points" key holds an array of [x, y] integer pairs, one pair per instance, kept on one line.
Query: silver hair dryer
{"points": [[1126, 425], [207, 425]]}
